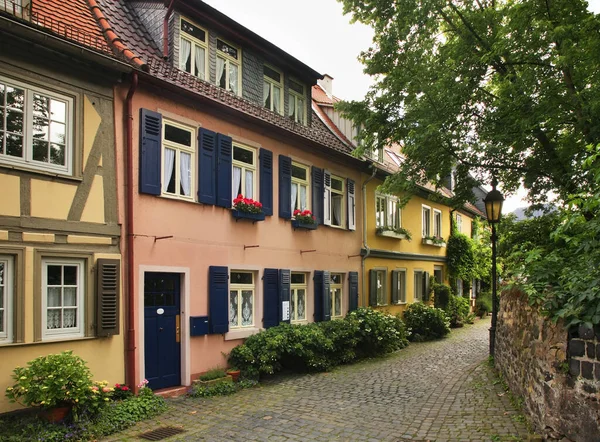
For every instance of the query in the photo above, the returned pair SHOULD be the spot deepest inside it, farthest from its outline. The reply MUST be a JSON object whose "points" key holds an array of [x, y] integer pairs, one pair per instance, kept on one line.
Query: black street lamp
{"points": [[493, 208]]}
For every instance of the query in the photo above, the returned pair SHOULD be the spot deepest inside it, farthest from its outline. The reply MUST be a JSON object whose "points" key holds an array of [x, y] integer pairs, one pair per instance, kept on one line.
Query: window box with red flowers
{"points": [[304, 219], [247, 208]]}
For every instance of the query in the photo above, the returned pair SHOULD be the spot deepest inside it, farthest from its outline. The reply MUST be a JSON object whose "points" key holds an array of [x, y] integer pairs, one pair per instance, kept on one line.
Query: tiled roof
{"points": [[321, 97], [331, 125]]}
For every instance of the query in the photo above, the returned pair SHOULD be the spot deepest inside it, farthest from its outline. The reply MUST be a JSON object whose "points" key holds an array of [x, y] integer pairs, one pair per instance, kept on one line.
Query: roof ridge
{"points": [[112, 38]]}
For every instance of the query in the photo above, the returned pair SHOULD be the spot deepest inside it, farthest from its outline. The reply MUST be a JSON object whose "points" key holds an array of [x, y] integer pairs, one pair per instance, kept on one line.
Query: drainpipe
{"points": [[131, 365], [364, 226], [166, 30]]}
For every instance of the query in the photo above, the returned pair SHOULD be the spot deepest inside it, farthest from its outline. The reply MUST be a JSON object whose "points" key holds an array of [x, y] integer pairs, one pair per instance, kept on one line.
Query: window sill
{"points": [[390, 234], [48, 174], [177, 198], [241, 333], [429, 242]]}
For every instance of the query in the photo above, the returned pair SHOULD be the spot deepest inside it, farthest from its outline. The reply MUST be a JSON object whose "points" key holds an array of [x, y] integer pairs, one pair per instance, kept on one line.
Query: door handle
{"points": [[160, 329], [177, 328]]}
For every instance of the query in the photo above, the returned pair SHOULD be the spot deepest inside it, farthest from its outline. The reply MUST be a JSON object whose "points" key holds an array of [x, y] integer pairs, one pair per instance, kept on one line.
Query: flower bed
{"points": [[247, 208]]}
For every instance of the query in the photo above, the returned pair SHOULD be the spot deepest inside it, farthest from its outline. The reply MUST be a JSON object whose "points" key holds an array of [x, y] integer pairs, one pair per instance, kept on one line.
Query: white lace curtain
{"points": [[186, 48], [236, 181], [266, 92], [185, 172], [168, 171], [337, 209], [200, 61], [303, 202], [221, 72], [233, 78], [294, 195], [249, 184]]}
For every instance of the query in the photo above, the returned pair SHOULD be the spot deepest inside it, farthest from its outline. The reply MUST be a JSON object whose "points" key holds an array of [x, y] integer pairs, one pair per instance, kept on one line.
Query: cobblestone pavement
{"points": [[437, 391]]}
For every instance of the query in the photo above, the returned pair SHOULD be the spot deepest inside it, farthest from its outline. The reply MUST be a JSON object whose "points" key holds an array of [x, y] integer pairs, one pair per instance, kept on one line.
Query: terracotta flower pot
{"points": [[56, 414], [235, 374]]}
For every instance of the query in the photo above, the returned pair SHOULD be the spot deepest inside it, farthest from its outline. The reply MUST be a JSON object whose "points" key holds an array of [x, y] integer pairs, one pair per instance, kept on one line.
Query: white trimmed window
{"points": [[418, 285], [381, 286], [437, 223], [241, 299], [272, 89], [377, 155], [178, 160], [193, 49], [63, 294], [337, 205], [459, 223], [298, 297], [335, 287], [387, 212], [229, 72], [243, 178], [36, 127], [426, 221], [300, 187], [297, 102], [399, 286], [6, 298]]}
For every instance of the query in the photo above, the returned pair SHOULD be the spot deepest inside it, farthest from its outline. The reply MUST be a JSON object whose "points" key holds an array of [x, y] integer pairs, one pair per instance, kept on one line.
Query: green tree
{"points": [[502, 86]]}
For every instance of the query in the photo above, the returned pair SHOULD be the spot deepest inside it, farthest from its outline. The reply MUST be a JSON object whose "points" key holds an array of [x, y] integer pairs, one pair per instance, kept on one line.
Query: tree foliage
{"points": [[502, 86]]}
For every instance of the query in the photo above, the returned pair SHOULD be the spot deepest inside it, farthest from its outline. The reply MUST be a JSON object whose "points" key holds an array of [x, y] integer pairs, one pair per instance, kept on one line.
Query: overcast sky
{"points": [[318, 34]]}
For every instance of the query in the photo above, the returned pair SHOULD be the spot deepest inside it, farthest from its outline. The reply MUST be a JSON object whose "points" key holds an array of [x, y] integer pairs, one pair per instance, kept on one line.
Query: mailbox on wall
{"points": [[198, 325]]}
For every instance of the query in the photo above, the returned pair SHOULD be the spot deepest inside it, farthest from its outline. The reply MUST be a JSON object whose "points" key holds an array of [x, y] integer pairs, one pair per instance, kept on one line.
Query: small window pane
{"points": [[227, 49], [54, 275], [296, 87], [298, 278], [301, 304], [233, 78], [58, 111], [337, 302], [233, 308], [337, 184], [336, 278], [178, 135], [54, 297], [15, 98], [241, 278], [70, 275], [192, 30], [40, 150], [243, 155], [14, 121], [57, 154], [276, 99], [70, 296], [336, 205], [247, 307], [53, 320], [70, 318], [299, 172], [41, 106], [14, 145], [272, 74], [267, 94]]}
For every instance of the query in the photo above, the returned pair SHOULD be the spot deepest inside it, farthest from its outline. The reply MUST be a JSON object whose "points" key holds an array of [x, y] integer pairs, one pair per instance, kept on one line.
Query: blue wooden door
{"points": [[162, 349]]}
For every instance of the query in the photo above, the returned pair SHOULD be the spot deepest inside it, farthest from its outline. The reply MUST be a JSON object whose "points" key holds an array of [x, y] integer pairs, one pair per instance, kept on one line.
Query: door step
{"points": [[172, 391]]}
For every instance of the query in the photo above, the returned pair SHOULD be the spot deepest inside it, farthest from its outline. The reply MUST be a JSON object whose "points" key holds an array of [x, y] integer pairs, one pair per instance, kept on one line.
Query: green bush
{"points": [[320, 346], [442, 293], [483, 304], [458, 310], [222, 389], [426, 323], [213, 374]]}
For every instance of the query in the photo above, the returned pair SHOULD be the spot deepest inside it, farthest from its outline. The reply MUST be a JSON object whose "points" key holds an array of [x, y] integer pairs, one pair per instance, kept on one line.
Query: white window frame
{"points": [[437, 229], [178, 148], [342, 193], [401, 293], [230, 60], [425, 227], [8, 284], [377, 155], [27, 159], [299, 182], [294, 298], [274, 84], [332, 288], [238, 288], [75, 332], [245, 166], [459, 223], [384, 292], [387, 200], [418, 295], [197, 42], [293, 100]]}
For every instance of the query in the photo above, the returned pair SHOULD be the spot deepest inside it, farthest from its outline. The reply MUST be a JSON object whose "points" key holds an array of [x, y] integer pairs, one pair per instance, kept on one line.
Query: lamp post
{"points": [[493, 209]]}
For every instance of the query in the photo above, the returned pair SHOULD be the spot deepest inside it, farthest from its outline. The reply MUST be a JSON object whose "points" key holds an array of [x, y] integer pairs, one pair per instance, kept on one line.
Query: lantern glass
{"points": [[493, 206]]}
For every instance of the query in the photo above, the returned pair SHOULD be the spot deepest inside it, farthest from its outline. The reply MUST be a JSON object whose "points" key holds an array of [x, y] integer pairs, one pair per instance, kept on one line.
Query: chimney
{"points": [[327, 84]]}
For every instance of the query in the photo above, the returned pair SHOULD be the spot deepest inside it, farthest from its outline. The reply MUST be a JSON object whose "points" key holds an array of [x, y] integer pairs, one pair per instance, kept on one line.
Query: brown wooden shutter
{"points": [[107, 296]]}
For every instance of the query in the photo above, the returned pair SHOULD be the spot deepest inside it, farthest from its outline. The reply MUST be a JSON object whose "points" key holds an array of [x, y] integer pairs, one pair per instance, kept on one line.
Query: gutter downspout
{"points": [[166, 30], [364, 226], [131, 365]]}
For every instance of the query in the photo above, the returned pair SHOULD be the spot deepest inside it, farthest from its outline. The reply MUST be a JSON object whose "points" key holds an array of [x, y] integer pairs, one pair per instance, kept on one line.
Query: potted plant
{"points": [[57, 384], [434, 241], [398, 233], [304, 219], [247, 208], [234, 372], [212, 377]]}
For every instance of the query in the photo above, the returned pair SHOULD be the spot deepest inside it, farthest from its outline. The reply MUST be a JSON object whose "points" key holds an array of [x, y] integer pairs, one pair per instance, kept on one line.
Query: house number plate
{"points": [[160, 311]]}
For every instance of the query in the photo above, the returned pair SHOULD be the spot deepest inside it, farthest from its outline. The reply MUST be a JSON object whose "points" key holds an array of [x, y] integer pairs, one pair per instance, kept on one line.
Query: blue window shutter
{"points": [[285, 187], [218, 299], [150, 145], [353, 293], [318, 283], [270, 298], [207, 166], [326, 296], [266, 181], [285, 280], [224, 156], [317, 194]]}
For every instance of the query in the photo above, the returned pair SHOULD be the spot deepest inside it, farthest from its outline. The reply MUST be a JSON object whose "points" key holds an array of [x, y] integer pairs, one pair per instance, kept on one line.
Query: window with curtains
{"points": [[298, 297], [241, 299], [272, 89], [426, 221], [178, 160], [337, 201], [459, 223], [437, 223], [300, 187], [380, 286], [6, 298], [297, 102], [243, 177], [418, 285], [229, 71], [335, 288], [387, 212], [399, 286], [63, 291], [193, 50]]}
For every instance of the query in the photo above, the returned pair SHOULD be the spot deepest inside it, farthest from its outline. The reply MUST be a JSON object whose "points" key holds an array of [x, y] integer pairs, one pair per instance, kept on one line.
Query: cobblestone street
{"points": [[437, 391]]}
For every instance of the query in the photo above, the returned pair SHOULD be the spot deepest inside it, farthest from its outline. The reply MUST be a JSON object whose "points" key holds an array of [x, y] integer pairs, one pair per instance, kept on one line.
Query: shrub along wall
{"points": [[555, 372]]}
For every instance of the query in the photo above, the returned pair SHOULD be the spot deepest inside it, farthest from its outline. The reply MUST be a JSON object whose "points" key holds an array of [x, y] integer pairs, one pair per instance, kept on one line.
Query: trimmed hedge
{"points": [[426, 323], [322, 345]]}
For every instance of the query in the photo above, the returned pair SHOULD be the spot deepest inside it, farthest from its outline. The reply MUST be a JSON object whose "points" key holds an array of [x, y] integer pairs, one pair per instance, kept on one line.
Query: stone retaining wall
{"points": [[556, 373]]}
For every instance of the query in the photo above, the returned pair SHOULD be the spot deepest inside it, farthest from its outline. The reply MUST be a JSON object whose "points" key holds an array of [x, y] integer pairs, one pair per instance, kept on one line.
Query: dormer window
{"points": [[228, 67], [193, 50], [297, 102], [272, 87]]}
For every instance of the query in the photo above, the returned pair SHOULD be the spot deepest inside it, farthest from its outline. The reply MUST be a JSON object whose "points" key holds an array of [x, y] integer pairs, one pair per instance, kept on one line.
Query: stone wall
{"points": [[557, 373]]}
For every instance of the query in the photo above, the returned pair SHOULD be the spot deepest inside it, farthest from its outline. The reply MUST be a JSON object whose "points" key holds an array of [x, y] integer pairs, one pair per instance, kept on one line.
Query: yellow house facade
{"points": [[60, 263]]}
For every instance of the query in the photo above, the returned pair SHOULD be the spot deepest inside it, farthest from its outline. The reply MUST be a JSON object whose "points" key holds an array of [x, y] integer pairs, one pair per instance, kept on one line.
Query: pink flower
{"points": [[296, 212]]}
